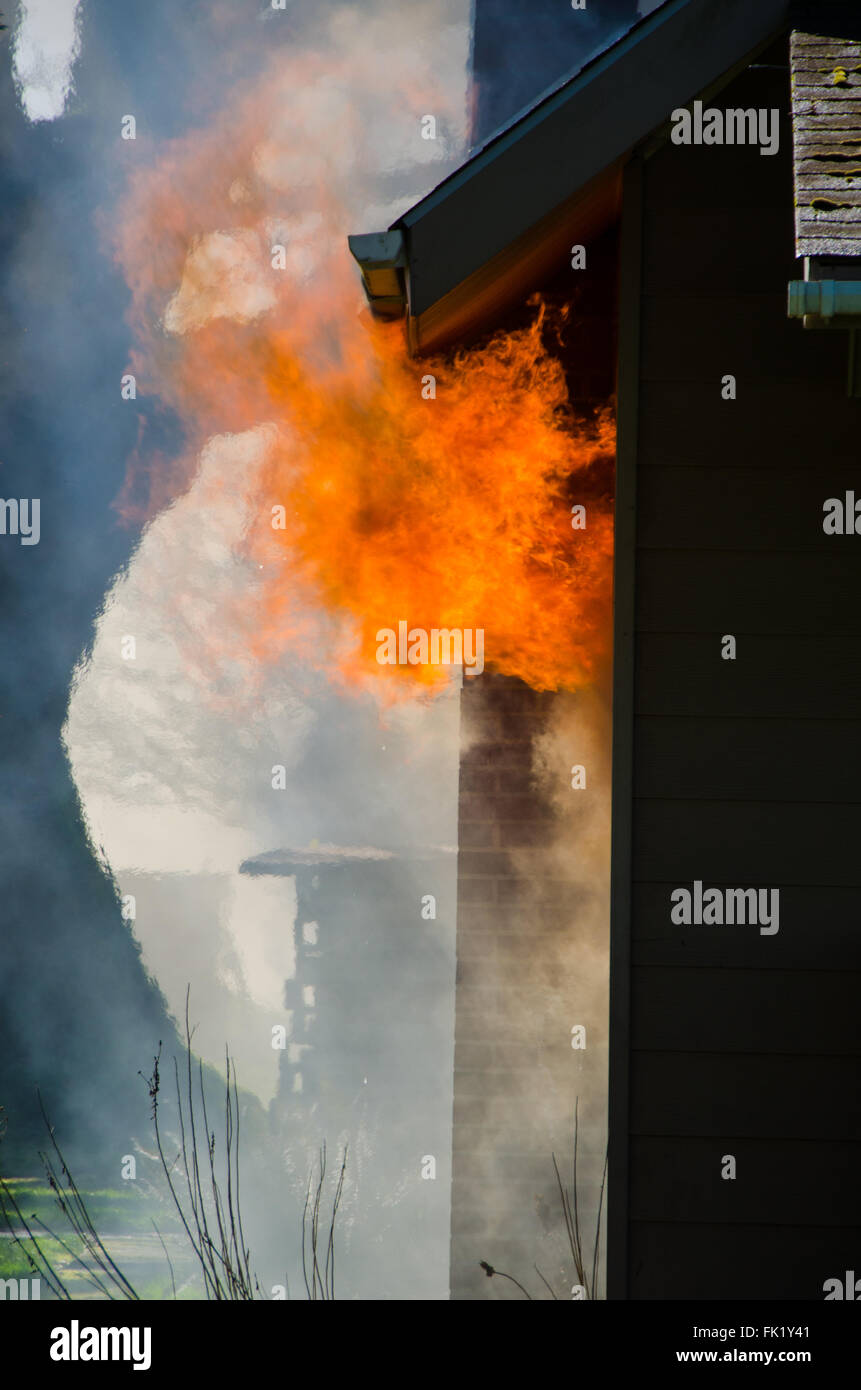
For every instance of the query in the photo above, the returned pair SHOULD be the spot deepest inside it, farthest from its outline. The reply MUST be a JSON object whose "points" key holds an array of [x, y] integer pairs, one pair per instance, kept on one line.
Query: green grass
{"points": [[123, 1216], [155, 1287], [13, 1260], [113, 1209]]}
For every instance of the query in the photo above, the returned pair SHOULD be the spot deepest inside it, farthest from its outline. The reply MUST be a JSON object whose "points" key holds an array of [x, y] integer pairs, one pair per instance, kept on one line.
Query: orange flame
{"points": [[451, 512]]}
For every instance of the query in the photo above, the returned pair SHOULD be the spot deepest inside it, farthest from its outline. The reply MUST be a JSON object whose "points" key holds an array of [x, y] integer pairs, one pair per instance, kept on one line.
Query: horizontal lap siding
{"points": [[728, 1261], [676, 1181], [761, 1011], [739, 592], [727, 759], [747, 773], [744, 843], [786, 677], [819, 925]]}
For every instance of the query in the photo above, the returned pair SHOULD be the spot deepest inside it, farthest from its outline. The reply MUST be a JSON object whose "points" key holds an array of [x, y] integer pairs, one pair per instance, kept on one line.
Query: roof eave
{"points": [[487, 233]]}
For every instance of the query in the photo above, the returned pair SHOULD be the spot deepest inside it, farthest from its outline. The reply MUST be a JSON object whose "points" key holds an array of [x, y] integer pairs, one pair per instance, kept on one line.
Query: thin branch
{"points": [[167, 1257], [490, 1272], [545, 1283]]}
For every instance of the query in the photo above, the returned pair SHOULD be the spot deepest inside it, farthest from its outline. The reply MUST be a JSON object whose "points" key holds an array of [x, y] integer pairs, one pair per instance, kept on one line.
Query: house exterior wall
{"points": [[745, 771]]}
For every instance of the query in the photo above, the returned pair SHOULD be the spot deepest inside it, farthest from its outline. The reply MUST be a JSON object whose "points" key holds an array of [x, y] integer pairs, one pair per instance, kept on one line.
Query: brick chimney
{"points": [[533, 921]]}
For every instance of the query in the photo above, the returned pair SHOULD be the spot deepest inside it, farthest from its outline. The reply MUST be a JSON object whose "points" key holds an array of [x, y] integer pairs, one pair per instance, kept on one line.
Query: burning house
{"points": [[713, 285]]}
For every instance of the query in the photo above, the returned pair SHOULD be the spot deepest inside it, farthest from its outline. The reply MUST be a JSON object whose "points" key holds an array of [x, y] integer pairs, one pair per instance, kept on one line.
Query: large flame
{"points": [[444, 511]]}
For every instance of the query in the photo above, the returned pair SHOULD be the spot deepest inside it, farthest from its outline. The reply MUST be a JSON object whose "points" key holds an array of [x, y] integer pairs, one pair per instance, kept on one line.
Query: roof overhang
{"points": [[491, 231]]}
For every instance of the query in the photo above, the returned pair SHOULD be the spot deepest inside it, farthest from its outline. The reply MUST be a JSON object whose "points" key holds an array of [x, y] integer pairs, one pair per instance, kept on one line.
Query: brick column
{"points": [[516, 1076]]}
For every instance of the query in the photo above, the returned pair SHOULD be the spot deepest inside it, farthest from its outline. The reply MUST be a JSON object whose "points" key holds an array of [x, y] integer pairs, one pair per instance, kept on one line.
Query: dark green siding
{"points": [[745, 773]]}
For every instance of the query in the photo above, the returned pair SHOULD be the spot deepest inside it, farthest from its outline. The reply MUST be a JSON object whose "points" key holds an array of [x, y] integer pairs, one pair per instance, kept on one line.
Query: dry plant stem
{"points": [[571, 1216], [79, 1216], [320, 1285], [212, 1224], [168, 1259], [571, 1213], [500, 1274], [210, 1217]]}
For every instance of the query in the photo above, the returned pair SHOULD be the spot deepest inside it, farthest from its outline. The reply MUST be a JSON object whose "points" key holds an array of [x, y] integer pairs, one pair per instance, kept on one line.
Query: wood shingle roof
{"points": [[826, 118]]}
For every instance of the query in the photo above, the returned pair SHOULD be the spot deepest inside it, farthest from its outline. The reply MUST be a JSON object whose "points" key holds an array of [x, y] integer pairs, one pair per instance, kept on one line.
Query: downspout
{"points": [[824, 300]]}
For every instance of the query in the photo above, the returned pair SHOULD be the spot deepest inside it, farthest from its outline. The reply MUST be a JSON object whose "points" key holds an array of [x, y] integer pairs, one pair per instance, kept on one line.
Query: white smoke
{"points": [[46, 43]]}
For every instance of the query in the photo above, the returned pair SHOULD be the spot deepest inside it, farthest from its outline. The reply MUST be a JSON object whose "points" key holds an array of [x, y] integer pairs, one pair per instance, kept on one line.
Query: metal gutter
{"points": [[382, 259]]}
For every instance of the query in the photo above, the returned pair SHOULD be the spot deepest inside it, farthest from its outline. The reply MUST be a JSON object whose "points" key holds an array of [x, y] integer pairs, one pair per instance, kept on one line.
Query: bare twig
{"points": [[490, 1272], [208, 1207], [570, 1203], [320, 1285]]}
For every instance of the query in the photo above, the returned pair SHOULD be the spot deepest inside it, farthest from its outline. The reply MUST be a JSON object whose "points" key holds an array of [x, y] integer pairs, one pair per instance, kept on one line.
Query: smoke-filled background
{"points": [[147, 784]]}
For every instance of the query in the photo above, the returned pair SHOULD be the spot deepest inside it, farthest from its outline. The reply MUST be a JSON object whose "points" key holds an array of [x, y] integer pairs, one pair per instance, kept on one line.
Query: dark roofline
{"points": [[474, 242]]}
